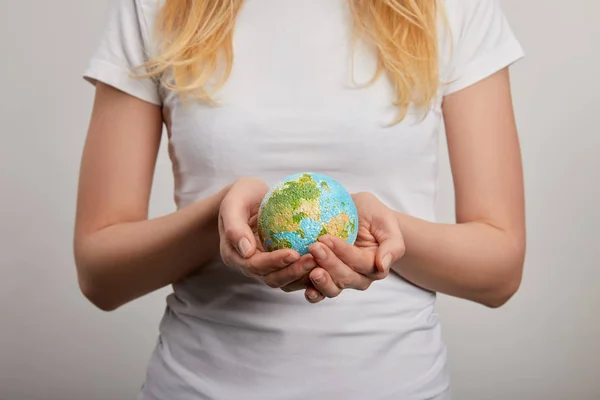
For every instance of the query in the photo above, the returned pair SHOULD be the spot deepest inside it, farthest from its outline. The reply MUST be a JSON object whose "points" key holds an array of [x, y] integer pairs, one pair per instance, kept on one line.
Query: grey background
{"points": [[55, 346]]}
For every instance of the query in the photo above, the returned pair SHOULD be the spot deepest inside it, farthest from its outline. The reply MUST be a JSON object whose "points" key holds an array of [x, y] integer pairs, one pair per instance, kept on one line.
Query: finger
{"points": [[313, 295], [323, 283], [391, 243], [236, 212], [342, 275], [300, 284], [359, 259], [259, 264], [262, 263], [234, 226], [294, 272]]}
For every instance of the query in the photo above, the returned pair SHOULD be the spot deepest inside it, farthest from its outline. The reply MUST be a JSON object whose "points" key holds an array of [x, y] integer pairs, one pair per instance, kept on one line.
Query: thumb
{"points": [[391, 245], [237, 230]]}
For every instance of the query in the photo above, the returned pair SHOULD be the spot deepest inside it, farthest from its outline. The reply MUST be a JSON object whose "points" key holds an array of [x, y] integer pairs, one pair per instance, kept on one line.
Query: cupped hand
{"points": [[343, 266], [239, 244]]}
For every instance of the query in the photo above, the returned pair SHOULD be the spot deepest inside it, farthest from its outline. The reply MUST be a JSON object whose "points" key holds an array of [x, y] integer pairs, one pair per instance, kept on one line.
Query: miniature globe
{"points": [[304, 207]]}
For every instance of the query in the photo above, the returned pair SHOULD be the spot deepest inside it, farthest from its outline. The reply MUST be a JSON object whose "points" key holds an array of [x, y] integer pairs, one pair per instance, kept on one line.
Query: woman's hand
{"points": [[343, 266], [239, 243]]}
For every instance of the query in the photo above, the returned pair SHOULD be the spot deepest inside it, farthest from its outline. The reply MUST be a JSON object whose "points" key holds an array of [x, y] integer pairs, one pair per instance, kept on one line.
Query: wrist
{"points": [[405, 222], [205, 212], [218, 198]]}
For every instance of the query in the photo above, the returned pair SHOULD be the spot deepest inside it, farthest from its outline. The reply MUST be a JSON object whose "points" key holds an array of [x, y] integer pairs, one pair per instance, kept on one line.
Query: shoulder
{"points": [[463, 15], [466, 8], [141, 11], [146, 12], [476, 40], [148, 9], [134, 21]]}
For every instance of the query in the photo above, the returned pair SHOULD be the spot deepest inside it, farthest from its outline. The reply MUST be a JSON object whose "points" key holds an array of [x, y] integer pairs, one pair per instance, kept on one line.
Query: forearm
{"points": [[474, 260], [128, 260]]}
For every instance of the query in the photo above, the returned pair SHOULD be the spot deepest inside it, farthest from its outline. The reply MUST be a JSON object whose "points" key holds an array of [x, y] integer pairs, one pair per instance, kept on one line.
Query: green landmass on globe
{"points": [[304, 207]]}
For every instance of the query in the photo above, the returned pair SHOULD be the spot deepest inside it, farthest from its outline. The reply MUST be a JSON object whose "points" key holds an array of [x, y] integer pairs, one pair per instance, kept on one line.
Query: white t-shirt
{"points": [[290, 106]]}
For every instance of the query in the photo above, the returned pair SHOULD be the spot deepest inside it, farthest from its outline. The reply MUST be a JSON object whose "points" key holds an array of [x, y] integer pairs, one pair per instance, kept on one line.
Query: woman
{"points": [[254, 91]]}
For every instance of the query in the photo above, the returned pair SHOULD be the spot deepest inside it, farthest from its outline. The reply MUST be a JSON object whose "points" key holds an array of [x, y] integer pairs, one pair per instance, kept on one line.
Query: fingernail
{"points": [[290, 258], [326, 241], [318, 278], [244, 247], [319, 252], [312, 295], [310, 264], [387, 260]]}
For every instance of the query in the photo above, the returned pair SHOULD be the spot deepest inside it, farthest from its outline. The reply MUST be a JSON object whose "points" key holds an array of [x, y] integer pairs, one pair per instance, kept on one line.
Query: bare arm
{"points": [[481, 257], [119, 253]]}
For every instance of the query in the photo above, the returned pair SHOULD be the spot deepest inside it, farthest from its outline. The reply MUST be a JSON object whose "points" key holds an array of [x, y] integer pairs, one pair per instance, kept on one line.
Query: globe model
{"points": [[304, 207]]}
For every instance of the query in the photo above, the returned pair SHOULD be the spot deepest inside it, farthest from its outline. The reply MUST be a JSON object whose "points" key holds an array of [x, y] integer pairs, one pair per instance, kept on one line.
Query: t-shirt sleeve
{"points": [[482, 40], [122, 50]]}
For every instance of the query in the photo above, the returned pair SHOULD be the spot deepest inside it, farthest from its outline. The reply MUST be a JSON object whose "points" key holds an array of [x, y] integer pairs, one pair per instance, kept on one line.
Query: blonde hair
{"points": [[195, 41]]}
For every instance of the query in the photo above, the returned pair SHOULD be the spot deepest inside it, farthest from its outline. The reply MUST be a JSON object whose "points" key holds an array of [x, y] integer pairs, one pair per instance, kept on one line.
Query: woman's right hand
{"points": [[240, 246]]}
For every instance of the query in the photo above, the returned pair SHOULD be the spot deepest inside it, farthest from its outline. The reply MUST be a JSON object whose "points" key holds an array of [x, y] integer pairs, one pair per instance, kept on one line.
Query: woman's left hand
{"points": [[344, 266]]}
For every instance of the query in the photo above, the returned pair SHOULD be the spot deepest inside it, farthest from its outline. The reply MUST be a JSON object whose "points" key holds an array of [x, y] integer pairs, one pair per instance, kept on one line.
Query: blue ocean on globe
{"points": [[303, 207]]}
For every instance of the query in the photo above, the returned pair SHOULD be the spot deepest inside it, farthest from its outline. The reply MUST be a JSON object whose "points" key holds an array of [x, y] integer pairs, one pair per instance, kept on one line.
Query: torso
{"points": [[290, 106]]}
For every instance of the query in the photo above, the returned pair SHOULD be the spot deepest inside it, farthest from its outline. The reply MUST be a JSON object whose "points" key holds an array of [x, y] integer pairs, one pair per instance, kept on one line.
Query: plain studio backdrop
{"points": [[54, 345]]}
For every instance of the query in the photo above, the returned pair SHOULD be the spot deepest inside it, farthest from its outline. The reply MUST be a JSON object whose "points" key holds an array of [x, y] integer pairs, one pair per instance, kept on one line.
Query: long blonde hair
{"points": [[196, 41]]}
